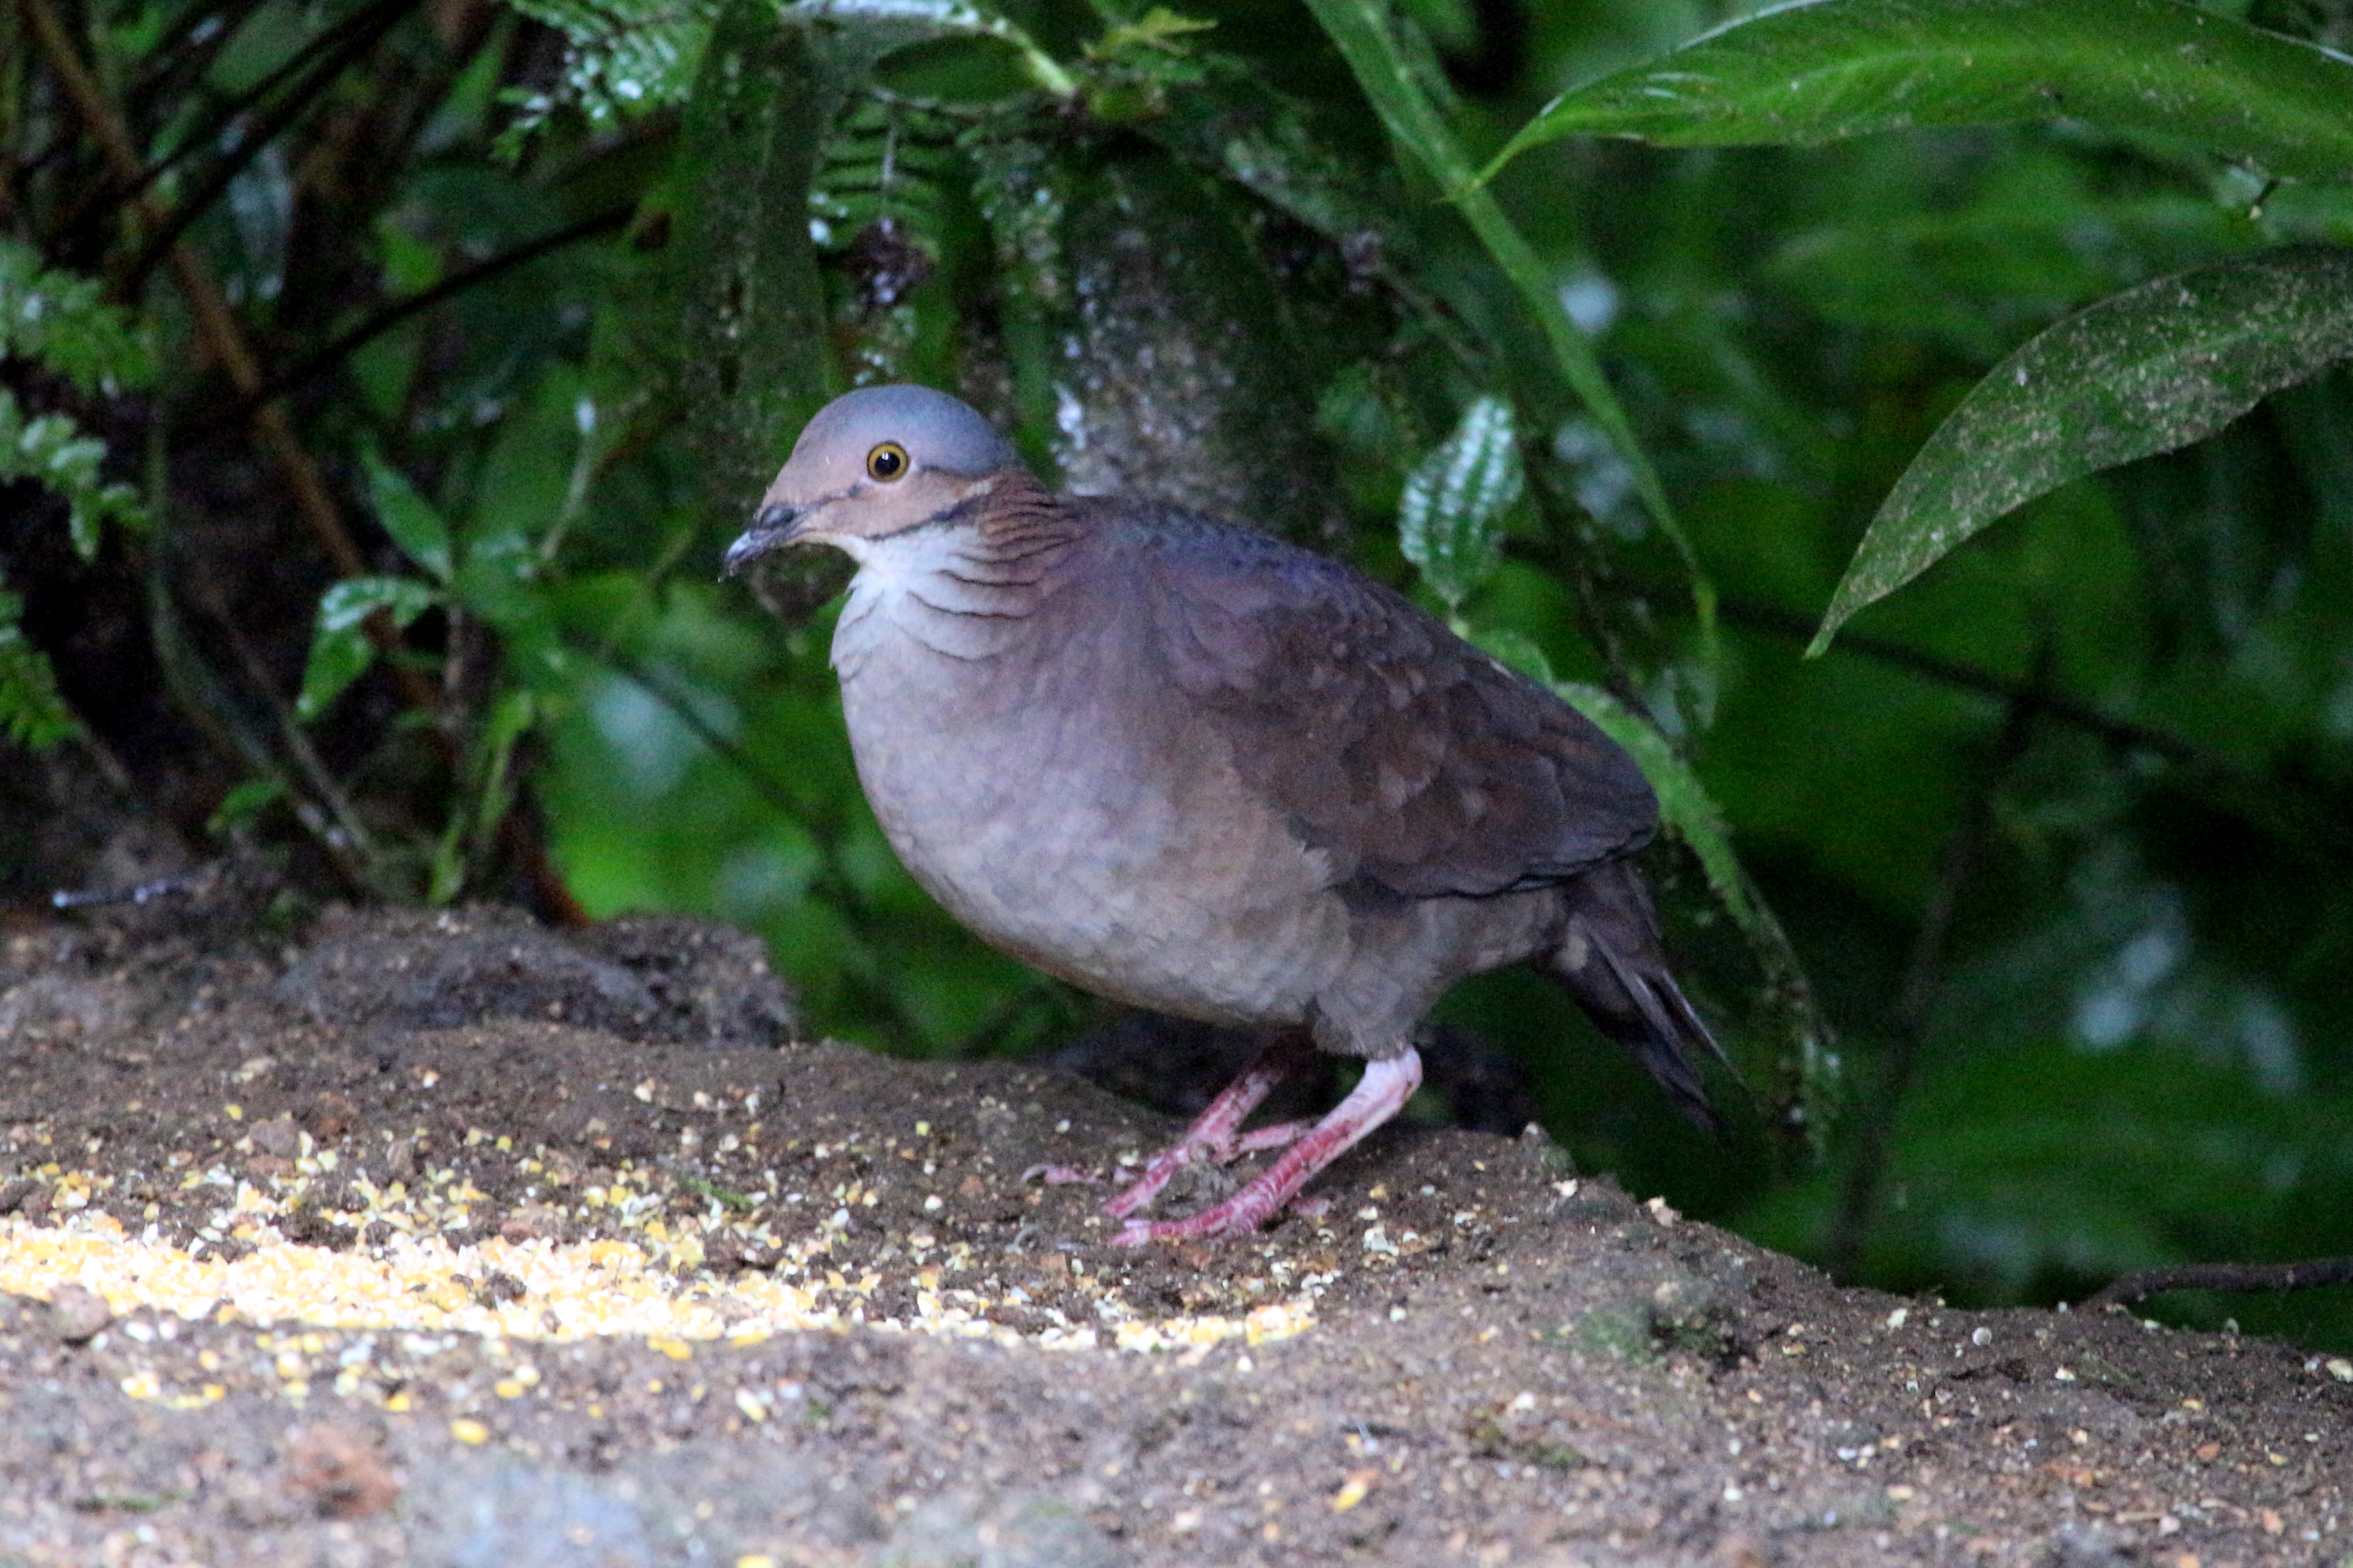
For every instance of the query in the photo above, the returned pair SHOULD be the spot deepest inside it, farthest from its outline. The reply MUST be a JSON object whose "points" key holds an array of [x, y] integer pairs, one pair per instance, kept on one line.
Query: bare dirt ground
{"points": [[444, 1240]]}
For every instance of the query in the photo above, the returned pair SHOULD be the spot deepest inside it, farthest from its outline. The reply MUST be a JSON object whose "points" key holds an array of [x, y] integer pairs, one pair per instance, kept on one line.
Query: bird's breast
{"points": [[1059, 799]]}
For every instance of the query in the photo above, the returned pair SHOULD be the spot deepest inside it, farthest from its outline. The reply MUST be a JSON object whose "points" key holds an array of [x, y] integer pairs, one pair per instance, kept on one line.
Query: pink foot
{"points": [[1216, 1136], [1386, 1085]]}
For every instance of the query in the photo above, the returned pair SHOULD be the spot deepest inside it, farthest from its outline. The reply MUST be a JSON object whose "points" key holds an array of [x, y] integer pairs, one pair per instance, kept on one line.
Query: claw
{"points": [[1062, 1175]]}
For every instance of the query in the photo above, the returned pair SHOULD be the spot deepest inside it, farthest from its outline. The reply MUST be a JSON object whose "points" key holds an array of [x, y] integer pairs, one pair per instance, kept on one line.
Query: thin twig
{"points": [[216, 326], [2120, 732], [116, 192], [2269, 803], [291, 738], [400, 310], [178, 57], [372, 26], [145, 892], [1908, 1024], [206, 697], [2281, 1277]]}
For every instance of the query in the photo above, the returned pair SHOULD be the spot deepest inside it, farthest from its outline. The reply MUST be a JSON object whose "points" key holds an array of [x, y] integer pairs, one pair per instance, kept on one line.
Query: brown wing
{"points": [[1419, 764]]}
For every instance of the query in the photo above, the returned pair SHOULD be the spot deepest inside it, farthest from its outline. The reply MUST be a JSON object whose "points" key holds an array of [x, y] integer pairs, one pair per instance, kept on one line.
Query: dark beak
{"points": [[772, 525]]}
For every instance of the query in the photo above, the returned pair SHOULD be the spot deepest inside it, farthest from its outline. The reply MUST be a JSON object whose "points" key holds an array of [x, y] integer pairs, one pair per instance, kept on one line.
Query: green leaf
{"points": [[341, 648], [1806, 74], [1158, 30], [622, 60], [408, 516], [2142, 372], [1450, 518], [628, 56], [473, 825], [244, 805], [1685, 805], [1362, 30], [58, 320], [52, 450], [32, 711], [913, 21]]}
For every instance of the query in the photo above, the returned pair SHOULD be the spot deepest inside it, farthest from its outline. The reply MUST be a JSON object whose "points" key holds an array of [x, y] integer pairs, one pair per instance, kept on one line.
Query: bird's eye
{"points": [[887, 461]]}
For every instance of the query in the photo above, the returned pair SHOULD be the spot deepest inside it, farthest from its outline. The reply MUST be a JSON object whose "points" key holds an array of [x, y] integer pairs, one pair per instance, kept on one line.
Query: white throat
{"points": [[926, 585]]}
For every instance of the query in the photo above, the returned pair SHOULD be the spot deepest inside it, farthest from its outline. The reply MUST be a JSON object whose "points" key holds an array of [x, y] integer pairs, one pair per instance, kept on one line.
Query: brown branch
{"points": [[217, 328], [216, 324], [2280, 1277]]}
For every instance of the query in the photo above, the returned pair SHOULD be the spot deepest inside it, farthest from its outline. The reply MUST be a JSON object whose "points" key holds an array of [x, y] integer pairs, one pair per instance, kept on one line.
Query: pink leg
{"points": [[1214, 1134], [1386, 1088]]}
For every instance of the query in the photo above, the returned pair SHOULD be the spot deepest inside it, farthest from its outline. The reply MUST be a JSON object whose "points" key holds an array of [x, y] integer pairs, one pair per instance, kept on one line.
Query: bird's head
{"points": [[877, 462]]}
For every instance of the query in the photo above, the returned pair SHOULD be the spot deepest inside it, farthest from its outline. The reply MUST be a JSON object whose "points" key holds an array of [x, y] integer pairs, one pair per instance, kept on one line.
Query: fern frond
{"points": [[884, 159], [625, 58], [57, 320], [52, 450]]}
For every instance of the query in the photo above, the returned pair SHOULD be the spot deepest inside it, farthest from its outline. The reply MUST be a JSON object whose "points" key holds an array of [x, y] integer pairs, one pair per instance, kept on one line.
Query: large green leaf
{"points": [[2142, 372], [1810, 73]]}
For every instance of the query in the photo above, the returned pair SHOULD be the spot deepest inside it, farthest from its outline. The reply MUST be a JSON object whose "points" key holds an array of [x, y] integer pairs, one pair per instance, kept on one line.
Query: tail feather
{"points": [[1612, 960]]}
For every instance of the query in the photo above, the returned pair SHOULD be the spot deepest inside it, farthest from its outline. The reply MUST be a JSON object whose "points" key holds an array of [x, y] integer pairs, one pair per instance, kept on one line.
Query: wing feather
{"points": [[1417, 763]]}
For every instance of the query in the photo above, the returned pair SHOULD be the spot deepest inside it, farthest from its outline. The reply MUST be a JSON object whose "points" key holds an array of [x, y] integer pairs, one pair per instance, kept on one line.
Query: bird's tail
{"points": [[1612, 960]]}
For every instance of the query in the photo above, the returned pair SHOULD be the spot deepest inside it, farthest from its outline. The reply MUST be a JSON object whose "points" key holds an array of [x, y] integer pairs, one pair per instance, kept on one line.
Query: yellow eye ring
{"points": [[887, 462]]}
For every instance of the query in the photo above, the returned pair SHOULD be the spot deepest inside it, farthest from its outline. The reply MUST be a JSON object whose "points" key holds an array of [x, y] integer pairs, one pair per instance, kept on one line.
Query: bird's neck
{"points": [[1021, 527], [966, 585]]}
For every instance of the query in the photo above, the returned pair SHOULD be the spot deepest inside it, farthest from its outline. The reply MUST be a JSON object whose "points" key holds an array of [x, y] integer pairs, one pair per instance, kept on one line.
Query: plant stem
{"points": [[1908, 1020], [1361, 30], [216, 326]]}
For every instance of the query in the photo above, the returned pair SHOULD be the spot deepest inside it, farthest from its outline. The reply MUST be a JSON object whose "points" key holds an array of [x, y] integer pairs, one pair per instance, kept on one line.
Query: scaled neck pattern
{"points": [[962, 584]]}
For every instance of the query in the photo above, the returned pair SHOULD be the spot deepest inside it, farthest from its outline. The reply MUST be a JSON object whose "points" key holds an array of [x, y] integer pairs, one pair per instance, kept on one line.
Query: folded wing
{"points": [[1417, 763]]}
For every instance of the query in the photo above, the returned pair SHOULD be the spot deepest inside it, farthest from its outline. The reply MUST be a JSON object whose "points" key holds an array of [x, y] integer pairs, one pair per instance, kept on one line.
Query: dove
{"points": [[1185, 766]]}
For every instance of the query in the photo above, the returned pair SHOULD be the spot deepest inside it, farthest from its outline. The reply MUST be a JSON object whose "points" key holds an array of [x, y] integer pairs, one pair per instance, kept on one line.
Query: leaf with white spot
{"points": [[2146, 371], [1450, 521]]}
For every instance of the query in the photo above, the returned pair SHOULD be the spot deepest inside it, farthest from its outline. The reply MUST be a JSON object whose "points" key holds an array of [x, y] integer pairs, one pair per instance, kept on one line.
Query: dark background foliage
{"points": [[385, 379]]}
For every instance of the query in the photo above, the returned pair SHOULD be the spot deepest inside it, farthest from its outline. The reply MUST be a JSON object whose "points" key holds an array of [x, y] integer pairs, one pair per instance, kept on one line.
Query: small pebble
{"points": [[77, 1315]]}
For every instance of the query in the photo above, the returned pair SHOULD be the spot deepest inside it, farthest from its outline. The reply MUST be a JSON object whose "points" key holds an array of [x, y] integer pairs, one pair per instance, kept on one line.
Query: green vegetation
{"points": [[379, 384]]}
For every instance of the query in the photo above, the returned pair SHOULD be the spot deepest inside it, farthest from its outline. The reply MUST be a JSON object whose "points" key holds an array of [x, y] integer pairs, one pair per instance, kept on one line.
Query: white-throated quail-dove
{"points": [[1185, 766]]}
